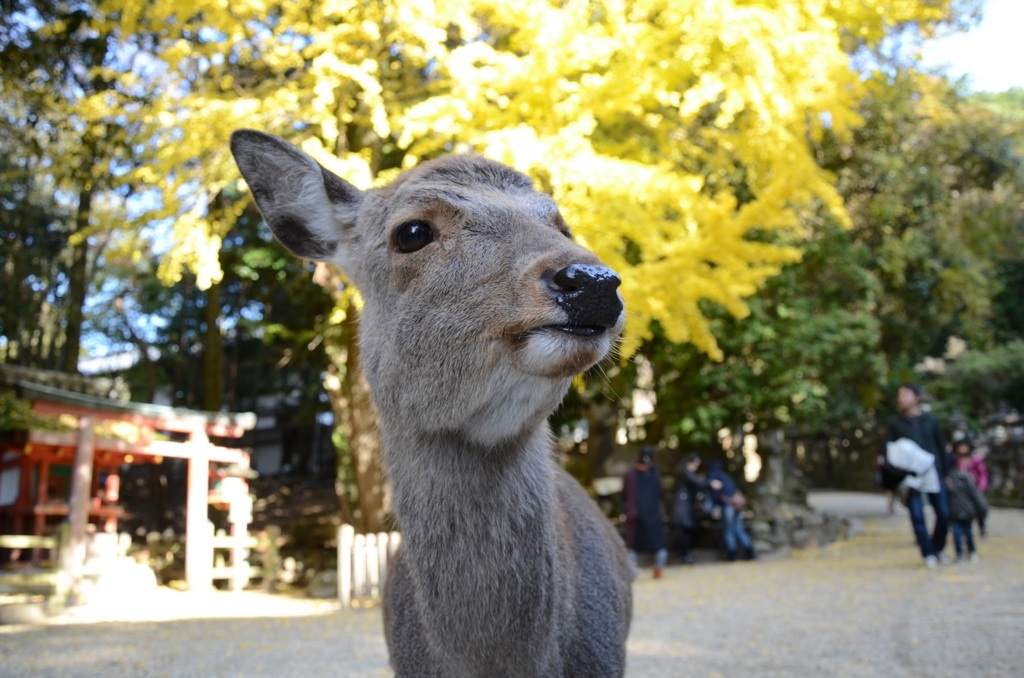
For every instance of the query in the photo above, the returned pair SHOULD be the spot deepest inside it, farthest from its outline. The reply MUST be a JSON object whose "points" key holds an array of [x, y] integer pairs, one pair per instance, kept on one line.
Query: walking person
{"points": [[920, 427], [966, 504], [973, 464], [731, 501], [645, 519], [684, 504]]}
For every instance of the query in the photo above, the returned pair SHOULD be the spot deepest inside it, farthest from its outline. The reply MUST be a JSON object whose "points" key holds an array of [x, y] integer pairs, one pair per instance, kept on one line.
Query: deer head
{"points": [[479, 306]]}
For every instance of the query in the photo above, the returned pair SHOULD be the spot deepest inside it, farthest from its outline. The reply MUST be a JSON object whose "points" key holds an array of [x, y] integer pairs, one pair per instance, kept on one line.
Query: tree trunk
{"points": [[357, 442], [356, 438], [344, 471], [602, 426], [213, 357], [158, 498], [364, 441], [78, 283], [78, 507], [233, 366], [181, 378]]}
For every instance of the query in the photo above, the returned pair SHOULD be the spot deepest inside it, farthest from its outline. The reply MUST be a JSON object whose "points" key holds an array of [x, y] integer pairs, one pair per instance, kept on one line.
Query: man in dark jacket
{"points": [[684, 510], [914, 423]]}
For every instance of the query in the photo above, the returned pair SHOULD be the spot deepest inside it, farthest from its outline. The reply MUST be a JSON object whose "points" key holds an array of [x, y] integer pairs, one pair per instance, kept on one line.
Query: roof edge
{"points": [[38, 392]]}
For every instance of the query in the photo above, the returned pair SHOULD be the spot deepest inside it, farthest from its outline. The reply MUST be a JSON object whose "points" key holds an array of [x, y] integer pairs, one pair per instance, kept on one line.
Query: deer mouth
{"points": [[559, 350], [578, 330]]}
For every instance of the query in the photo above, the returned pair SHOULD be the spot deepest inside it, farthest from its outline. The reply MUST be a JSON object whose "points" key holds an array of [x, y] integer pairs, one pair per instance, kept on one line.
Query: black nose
{"points": [[588, 295]]}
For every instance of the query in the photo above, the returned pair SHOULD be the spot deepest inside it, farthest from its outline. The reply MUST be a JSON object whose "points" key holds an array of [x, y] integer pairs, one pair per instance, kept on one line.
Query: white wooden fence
{"points": [[363, 563]]}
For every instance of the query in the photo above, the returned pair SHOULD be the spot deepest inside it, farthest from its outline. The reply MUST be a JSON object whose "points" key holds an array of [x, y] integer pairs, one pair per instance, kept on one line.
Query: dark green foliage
{"points": [[981, 383], [927, 197], [270, 315], [33, 268], [804, 358], [16, 415]]}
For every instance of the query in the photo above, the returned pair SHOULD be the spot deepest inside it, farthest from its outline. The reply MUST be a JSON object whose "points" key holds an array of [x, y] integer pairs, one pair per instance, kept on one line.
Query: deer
{"points": [[479, 307]]}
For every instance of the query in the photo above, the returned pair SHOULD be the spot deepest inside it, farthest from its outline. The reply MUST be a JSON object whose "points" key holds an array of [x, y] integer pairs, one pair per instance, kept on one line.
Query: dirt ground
{"points": [[862, 607]]}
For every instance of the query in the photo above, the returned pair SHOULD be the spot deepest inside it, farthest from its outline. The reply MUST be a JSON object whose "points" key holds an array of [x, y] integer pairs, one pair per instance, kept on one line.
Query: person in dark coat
{"points": [[915, 424], [645, 521], [723, 491], [684, 504]]}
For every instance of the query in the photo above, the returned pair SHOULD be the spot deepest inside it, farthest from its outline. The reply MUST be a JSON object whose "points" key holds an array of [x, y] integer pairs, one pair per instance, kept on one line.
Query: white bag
{"points": [[908, 455]]}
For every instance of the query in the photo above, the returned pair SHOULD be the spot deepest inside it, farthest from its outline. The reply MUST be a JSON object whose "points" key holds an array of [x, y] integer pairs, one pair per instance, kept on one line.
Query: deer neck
{"points": [[478, 528]]}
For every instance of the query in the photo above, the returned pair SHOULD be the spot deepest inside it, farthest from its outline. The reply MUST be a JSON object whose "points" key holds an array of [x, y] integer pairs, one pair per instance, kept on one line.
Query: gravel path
{"points": [[863, 607]]}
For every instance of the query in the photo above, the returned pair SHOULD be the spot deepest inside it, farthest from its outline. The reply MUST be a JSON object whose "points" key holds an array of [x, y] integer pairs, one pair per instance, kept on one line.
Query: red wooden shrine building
{"points": [[49, 477]]}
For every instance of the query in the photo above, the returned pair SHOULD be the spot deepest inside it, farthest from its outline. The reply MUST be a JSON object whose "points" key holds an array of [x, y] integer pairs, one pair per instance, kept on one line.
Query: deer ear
{"points": [[308, 208]]}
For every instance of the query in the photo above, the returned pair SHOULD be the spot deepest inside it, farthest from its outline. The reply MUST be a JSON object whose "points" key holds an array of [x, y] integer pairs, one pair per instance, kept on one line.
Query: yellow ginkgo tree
{"points": [[673, 132]]}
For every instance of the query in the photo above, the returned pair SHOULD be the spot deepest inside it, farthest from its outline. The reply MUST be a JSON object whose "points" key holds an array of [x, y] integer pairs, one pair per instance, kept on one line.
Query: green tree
{"points": [[980, 383], [929, 181], [78, 123], [33, 238]]}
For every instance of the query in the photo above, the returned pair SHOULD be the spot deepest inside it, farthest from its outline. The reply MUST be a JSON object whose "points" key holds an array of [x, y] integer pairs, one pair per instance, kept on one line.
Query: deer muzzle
{"points": [[589, 296]]}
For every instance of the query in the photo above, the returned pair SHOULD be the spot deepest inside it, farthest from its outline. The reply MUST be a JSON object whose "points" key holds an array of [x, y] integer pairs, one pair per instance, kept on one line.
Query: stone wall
{"points": [[782, 518]]}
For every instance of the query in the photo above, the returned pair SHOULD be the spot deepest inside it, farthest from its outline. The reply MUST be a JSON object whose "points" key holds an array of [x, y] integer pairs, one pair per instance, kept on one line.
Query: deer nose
{"points": [[588, 295]]}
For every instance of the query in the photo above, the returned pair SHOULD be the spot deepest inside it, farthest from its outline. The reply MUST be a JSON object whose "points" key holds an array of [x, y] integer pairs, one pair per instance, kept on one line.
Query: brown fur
{"points": [[507, 567]]}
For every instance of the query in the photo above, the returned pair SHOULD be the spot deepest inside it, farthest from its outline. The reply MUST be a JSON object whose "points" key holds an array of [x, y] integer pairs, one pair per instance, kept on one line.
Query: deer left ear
{"points": [[308, 208]]}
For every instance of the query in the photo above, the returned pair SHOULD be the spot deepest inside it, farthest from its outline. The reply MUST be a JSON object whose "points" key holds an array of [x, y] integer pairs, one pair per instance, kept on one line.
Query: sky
{"points": [[991, 55]]}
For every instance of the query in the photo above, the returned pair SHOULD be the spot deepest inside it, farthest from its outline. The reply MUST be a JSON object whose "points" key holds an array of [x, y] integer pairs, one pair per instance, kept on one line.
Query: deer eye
{"points": [[412, 236]]}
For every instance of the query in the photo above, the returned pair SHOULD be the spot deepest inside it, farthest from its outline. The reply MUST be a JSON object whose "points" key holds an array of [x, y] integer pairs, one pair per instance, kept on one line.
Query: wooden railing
{"points": [[27, 541], [363, 561], [232, 559], [44, 581]]}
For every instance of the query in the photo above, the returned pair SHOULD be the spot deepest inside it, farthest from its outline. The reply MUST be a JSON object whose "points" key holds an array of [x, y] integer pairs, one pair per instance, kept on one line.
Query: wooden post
{"points": [[359, 565], [346, 540], [73, 560], [24, 492], [62, 588], [198, 540], [382, 559], [42, 497], [372, 566], [394, 542], [239, 517], [271, 558], [111, 495], [43, 481]]}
